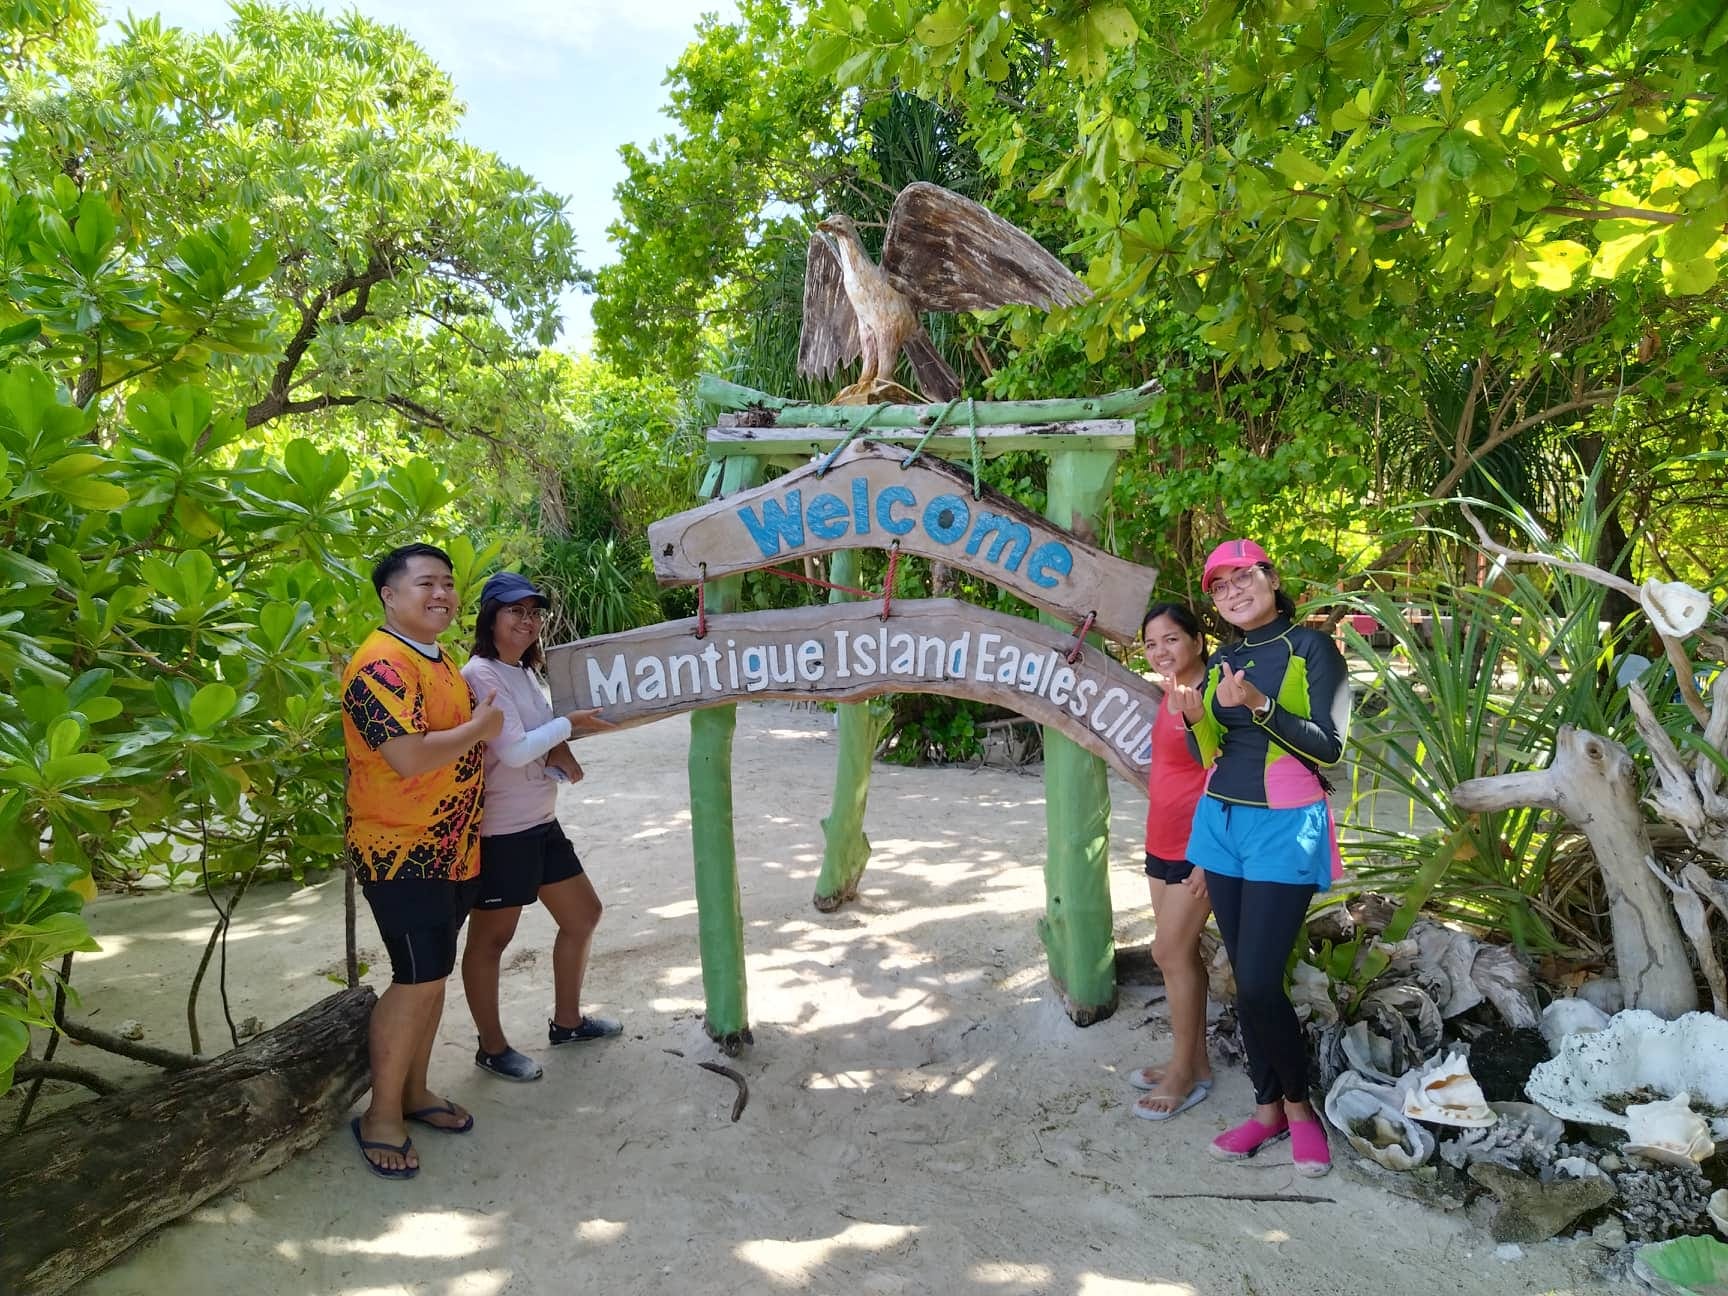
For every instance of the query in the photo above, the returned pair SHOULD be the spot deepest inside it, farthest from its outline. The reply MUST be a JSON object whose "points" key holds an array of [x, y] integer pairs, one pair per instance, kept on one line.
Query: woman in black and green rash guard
{"points": [[1274, 709]]}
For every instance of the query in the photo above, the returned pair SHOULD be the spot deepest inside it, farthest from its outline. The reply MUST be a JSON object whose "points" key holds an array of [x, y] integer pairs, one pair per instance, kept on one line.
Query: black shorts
{"points": [[1166, 870], [419, 919], [514, 866]]}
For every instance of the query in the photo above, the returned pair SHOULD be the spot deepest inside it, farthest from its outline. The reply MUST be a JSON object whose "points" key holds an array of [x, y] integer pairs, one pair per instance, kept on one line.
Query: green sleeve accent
{"points": [[1206, 735]]}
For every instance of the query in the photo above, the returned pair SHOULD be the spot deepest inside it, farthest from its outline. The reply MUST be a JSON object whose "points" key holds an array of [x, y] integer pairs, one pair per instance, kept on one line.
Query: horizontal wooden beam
{"points": [[778, 442], [764, 409], [843, 652]]}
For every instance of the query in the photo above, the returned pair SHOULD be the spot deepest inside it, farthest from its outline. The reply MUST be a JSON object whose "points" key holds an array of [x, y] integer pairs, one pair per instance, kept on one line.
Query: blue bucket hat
{"points": [[510, 587]]}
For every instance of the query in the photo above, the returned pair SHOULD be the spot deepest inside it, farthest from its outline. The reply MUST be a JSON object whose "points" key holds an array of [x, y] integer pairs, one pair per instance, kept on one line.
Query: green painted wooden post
{"points": [[847, 850], [1077, 919], [719, 909]]}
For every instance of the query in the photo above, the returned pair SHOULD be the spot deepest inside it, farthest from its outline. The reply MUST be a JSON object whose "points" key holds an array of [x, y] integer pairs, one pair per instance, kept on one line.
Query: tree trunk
{"points": [[1591, 781], [86, 1183]]}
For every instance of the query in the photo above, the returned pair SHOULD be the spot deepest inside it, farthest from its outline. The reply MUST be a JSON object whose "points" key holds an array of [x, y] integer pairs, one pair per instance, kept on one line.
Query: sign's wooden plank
{"points": [[869, 499], [844, 652], [1092, 434]]}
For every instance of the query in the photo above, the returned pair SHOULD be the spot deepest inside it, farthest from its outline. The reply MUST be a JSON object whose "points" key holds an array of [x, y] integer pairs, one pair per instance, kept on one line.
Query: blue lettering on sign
{"points": [[947, 520], [1046, 558], [827, 517], [885, 503], [1004, 532], [776, 524]]}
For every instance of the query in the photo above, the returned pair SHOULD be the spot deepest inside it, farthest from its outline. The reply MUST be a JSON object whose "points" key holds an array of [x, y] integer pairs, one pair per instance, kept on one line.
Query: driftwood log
{"points": [[84, 1184], [1592, 783]]}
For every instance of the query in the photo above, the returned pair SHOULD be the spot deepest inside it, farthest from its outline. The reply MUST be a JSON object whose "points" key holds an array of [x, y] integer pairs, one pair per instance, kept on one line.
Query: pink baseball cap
{"points": [[1230, 555]]}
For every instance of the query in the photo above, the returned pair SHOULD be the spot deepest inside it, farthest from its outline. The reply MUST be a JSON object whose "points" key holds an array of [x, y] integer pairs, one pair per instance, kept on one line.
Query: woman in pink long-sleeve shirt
{"points": [[524, 854]]}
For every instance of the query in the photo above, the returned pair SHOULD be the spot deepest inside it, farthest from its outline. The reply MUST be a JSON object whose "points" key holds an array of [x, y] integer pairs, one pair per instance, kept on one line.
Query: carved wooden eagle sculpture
{"points": [[942, 253]]}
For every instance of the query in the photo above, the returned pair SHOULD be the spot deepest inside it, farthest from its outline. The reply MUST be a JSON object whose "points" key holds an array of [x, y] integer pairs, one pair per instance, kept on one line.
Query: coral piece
{"points": [[1368, 1117], [1662, 1201], [1638, 1057], [1524, 1138], [1447, 1094], [1533, 1211], [1668, 1131]]}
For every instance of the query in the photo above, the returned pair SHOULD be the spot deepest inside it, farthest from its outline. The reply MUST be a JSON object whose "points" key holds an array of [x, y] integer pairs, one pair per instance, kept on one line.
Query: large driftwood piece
{"points": [[1694, 915], [847, 652], [1591, 781], [86, 1183], [1687, 793], [869, 499], [778, 410]]}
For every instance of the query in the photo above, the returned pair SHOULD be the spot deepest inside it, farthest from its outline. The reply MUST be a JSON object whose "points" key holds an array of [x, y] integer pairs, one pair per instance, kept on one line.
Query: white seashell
{"points": [[1637, 1053], [1368, 1053], [1445, 1093], [1566, 1017], [1674, 607], [1367, 1116], [1669, 1131], [1719, 1210]]}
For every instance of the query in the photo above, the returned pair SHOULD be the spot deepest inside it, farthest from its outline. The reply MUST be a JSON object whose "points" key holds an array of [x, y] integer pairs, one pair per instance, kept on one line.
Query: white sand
{"points": [[922, 1116]]}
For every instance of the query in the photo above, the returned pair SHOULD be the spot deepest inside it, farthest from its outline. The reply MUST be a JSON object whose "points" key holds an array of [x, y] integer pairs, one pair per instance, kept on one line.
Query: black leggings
{"points": [[1259, 922]]}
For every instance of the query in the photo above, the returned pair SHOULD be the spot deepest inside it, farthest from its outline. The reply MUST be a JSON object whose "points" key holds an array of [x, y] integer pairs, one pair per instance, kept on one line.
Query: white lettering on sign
{"points": [[620, 679]]}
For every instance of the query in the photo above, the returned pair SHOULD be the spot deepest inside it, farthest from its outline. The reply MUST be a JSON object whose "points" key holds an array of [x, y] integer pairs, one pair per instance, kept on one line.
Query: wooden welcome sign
{"points": [[870, 499], [846, 651]]}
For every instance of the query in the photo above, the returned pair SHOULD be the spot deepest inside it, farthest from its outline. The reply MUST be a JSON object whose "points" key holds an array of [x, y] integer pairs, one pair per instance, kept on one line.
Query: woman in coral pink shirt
{"points": [[1176, 649]]}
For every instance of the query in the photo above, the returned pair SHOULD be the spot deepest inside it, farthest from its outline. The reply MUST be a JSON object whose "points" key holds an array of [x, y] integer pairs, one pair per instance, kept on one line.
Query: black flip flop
{"points": [[423, 1117], [384, 1172]]}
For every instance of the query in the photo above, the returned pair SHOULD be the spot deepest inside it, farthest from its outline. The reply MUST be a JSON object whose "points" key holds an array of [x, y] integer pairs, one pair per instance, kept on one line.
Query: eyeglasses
{"points": [[525, 614], [1239, 584]]}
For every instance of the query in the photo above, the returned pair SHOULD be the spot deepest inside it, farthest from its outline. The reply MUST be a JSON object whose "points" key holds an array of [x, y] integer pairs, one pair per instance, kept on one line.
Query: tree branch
{"points": [[167, 1059], [31, 1069]]}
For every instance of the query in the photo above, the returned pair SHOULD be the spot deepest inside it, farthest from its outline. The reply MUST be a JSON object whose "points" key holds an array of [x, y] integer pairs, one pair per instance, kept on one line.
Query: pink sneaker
{"points": [[1308, 1148], [1246, 1139]]}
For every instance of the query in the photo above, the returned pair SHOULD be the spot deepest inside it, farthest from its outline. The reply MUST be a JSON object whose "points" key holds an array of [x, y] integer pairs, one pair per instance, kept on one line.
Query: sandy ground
{"points": [[922, 1116]]}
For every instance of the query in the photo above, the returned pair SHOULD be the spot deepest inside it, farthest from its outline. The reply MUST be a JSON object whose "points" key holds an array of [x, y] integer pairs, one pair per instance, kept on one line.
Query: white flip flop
{"points": [[1195, 1095]]}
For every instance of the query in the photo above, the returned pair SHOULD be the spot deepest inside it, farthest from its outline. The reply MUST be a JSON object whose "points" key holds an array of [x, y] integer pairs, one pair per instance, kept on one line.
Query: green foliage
{"points": [[1479, 683], [196, 467], [366, 259], [929, 729]]}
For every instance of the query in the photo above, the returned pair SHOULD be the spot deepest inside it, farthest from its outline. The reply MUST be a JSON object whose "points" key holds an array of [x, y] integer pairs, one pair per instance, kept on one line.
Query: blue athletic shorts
{"points": [[1261, 844]]}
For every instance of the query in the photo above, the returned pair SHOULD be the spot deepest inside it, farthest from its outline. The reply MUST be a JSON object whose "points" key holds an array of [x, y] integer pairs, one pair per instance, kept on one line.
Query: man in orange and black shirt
{"points": [[414, 737]]}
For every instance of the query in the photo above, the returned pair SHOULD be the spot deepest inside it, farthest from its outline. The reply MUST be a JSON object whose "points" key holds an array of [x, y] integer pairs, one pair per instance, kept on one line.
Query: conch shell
{"points": [[1367, 1116], [1668, 1131], [1674, 607], [1447, 1094], [1719, 1210]]}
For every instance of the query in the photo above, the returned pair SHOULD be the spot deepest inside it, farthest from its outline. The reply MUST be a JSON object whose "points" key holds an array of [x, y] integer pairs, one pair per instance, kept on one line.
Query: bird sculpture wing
{"points": [[828, 337], [947, 253]]}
